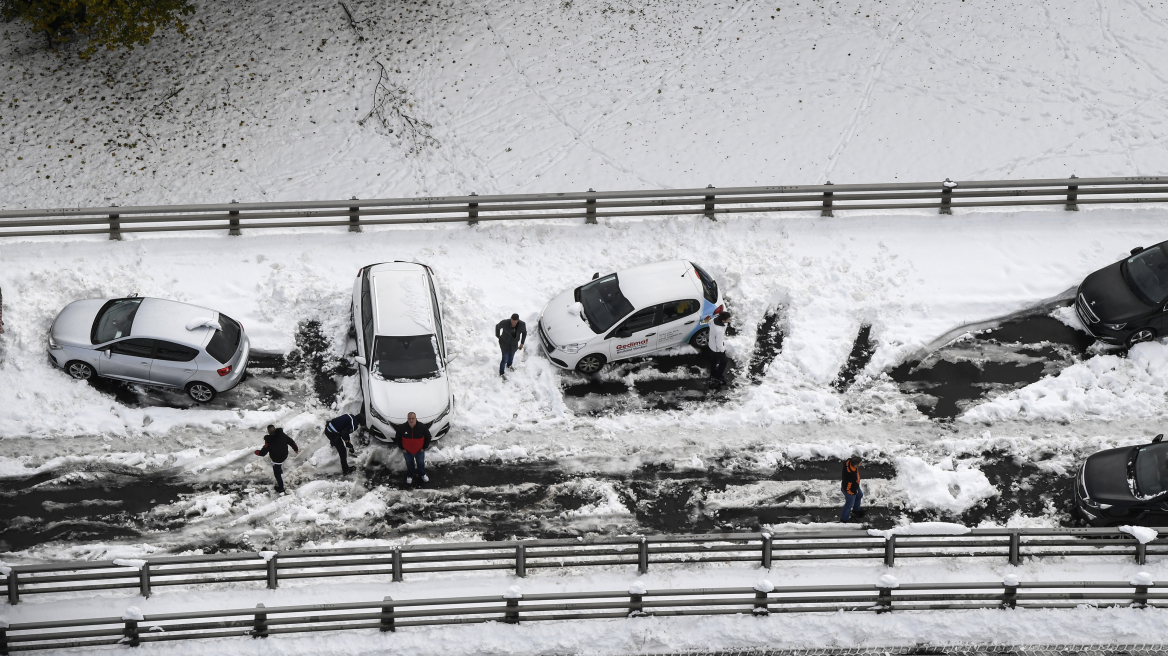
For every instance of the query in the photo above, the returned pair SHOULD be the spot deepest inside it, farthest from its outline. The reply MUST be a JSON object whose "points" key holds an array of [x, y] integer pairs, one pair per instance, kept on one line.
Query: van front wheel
{"points": [[700, 339], [590, 363]]}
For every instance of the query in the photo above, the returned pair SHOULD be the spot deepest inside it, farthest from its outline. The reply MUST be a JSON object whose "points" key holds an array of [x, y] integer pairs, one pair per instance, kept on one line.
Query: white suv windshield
{"points": [[406, 358], [604, 304]]}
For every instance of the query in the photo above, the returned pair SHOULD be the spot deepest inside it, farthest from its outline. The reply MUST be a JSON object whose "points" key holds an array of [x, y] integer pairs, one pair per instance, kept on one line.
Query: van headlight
{"points": [[1115, 326], [573, 348], [442, 414], [377, 415]]}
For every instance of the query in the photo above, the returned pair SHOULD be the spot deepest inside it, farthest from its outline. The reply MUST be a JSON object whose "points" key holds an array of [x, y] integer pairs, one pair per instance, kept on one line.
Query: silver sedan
{"points": [[150, 341]]}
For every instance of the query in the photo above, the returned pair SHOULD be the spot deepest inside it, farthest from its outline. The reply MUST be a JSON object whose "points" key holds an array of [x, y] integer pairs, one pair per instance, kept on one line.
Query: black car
{"points": [[1128, 485], [1127, 302]]}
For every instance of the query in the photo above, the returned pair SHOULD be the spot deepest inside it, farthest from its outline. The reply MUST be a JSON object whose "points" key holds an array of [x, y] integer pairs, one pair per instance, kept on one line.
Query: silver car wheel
{"points": [[590, 364], [201, 392], [701, 339], [80, 370]]}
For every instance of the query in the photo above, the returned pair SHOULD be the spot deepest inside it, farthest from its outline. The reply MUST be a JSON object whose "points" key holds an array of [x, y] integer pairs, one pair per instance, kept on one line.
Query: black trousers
{"points": [[278, 470], [338, 443], [720, 364]]}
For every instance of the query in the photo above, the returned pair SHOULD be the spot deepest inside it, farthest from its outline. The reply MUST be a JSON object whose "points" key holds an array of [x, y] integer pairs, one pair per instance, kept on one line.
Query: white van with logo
{"points": [[628, 314], [401, 348]]}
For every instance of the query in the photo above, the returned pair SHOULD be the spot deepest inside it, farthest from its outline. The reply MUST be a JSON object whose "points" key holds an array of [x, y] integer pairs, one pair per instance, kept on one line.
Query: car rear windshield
{"points": [[405, 358], [1148, 272], [1152, 469], [114, 320], [604, 304], [709, 287], [225, 341]]}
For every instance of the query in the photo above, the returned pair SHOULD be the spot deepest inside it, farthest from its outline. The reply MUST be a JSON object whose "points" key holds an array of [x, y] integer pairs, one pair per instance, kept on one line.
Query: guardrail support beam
{"points": [[1015, 548], [144, 580], [643, 556], [890, 551], [234, 222], [1072, 197], [710, 205], [1010, 599], [472, 212], [115, 228], [3, 641], [947, 196], [387, 615], [512, 615], [760, 604], [767, 550], [520, 560], [13, 587], [354, 218], [636, 605], [260, 625], [826, 211], [273, 572], [130, 634], [397, 566], [1141, 554], [591, 210], [884, 601]]}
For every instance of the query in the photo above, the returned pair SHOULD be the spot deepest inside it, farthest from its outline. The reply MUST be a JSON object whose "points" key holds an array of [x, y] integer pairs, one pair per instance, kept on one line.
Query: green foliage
{"points": [[109, 24]]}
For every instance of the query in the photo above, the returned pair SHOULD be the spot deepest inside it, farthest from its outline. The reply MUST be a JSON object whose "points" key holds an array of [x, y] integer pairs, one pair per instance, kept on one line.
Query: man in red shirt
{"points": [[414, 439]]}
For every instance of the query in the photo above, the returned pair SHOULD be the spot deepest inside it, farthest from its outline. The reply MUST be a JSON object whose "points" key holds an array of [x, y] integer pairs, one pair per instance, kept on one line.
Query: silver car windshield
{"points": [[115, 320], [406, 358]]}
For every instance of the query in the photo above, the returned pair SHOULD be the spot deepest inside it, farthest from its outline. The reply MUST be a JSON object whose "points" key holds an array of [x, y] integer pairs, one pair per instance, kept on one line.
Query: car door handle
{"points": [[187, 371], [689, 322], [650, 334]]}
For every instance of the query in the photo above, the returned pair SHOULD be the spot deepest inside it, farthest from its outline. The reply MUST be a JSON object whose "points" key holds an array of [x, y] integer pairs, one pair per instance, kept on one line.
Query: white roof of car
{"points": [[162, 319], [401, 299], [659, 283]]}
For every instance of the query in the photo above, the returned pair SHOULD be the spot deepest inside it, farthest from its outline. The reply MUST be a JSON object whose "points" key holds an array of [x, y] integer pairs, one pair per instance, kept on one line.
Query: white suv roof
{"points": [[659, 282], [402, 298]]}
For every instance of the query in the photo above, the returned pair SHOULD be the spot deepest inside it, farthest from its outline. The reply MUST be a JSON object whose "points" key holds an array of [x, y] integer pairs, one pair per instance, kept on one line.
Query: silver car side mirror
{"points": [[360, 359], [107, 353]]}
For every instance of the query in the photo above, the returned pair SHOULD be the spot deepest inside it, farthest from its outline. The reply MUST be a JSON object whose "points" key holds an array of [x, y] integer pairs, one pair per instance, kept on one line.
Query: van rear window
{"points": [[225, 341]]}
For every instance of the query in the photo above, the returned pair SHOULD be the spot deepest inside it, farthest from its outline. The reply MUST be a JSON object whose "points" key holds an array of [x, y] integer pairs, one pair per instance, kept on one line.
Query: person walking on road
{"points": [[851, 489], [511, 333], [414, 439], [276, 444], [718, 346], [337, 431]]}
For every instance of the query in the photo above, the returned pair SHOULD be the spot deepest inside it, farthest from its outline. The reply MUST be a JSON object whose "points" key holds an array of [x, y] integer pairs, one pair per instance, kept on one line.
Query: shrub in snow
{"points": [[1143, 579], [764, 586], [1010, 581], [1141, 533], [132, 614], [637, 588], [888, 581], [513, 593], [941, 487]]}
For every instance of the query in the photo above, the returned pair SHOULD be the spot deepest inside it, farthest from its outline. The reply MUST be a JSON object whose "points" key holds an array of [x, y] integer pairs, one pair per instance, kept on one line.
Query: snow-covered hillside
{"points": [[265, 101]]}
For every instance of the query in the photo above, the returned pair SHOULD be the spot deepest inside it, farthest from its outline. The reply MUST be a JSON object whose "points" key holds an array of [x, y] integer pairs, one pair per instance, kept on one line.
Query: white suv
{"points": [[401, 348], [628, 314]]}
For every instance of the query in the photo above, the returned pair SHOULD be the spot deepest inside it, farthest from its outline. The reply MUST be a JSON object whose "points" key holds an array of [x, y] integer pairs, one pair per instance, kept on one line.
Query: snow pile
{"points": [[132, 614], [1010, 580], [1141, 533], [203, 322], [1102, 387], [637, 588], [1143, 579], [513, 592], [764, 585], [888, 581], [266, 555], [942, 487], [922, 528]]}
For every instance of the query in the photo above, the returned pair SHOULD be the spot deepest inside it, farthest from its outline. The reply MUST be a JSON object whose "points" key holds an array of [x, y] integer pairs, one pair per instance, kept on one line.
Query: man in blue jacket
{"points": [[337, 431]]}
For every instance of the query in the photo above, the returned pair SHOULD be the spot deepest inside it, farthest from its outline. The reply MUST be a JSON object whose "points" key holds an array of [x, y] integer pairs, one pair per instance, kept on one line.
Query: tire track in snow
{"points": [[866, 96]]}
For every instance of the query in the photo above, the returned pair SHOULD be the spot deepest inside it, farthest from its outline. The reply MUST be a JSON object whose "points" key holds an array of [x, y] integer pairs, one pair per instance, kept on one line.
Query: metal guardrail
{"points": [[388, 614], [590, 205], [518, 557]]}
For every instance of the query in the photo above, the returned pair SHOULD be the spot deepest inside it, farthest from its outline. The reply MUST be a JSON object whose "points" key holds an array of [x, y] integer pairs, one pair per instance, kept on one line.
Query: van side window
{"points": [[366, 313], [639, 321], [173, 352], [138, 347], [675, 310]]}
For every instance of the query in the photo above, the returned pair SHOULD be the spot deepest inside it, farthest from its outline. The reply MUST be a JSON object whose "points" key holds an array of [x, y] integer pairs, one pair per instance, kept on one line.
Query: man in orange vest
{"points": [[851, 489], [414, 439]]}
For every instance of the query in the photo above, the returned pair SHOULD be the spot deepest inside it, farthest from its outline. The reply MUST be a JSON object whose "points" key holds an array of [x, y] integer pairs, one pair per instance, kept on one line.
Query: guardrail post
{"points": [[520, 560], [115, 226], [273, 572], [354, 218], [130, 630], [710, 205], [387, 615], [1072, 197], [761, 590], [637, 600], [591, 210], [890, 551], [1141, 553], [826, 211], [234, 222], [1140, 598], [947, 196], [1010, 599], [643, 556], [1015, 548], [260, 626], [472, 211], [397, 565], [3, 635], [144, 580], [512, 596], [767, 550], [13, 587]]}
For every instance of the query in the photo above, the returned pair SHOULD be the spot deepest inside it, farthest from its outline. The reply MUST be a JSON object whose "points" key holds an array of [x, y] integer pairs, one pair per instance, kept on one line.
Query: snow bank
{"points": [[922, 528], [942, 487], [1141, 533]]}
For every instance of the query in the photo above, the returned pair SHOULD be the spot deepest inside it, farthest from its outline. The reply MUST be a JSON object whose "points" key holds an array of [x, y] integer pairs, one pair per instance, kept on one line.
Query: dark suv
{"points": [[1127, 302], [1128, 485]]}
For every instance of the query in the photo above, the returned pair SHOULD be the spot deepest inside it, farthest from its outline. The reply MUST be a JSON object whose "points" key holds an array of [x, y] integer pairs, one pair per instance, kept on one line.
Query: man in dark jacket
{"points": [[276, 444], [337, 431], [414, 439], [511, 333], [851, 489]]}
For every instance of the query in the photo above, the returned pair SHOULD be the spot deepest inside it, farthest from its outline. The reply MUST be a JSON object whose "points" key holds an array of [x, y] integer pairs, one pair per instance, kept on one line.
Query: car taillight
{"points": [[225, 370], [718, 310]]}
